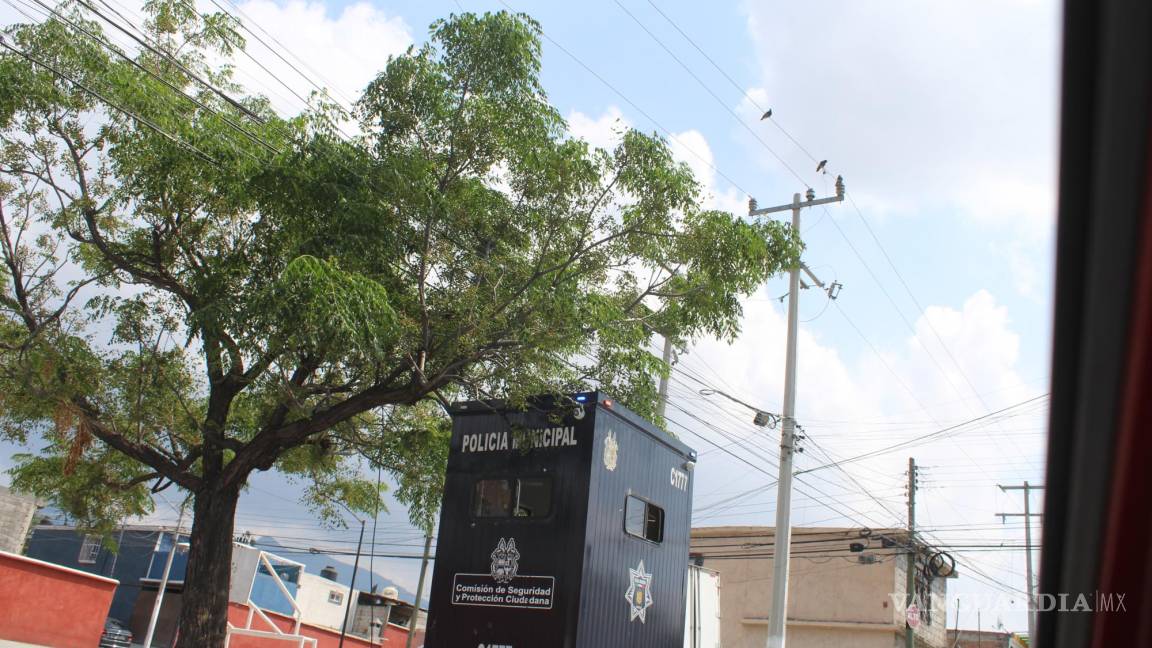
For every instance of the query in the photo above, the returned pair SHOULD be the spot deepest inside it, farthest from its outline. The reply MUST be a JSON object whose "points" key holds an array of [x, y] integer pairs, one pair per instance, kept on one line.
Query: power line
{"points": [[303, 63], [633, 104], [728, 505], [892, 371], [930, 435], [168, 84], [919, 306], [328, 551], [111, 104], [723, 449], [183, 68], [826, 504], [809, 154], [849, 475], [713, 94], [732, 81]]}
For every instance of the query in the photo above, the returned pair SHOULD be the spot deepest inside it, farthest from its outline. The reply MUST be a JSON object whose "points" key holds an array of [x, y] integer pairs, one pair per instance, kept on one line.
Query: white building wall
{"points": [[315, 599], [16, 513]]}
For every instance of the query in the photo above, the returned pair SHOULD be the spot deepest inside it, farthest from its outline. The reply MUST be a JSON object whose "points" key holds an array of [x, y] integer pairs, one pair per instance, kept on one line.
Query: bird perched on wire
{"points": [[820, 167], [766, 115]]}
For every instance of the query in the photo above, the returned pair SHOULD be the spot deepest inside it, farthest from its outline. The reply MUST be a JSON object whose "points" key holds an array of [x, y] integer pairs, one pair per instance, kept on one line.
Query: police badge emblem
{"points": [[639, 593], [611, 451], [505, 561]]}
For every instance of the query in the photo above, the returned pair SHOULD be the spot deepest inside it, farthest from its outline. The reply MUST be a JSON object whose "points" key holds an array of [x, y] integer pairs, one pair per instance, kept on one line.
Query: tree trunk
{"points": [[204, 615]]}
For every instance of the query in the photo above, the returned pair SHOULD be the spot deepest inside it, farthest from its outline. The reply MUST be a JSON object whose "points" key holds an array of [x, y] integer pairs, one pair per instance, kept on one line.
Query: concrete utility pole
{"points": [[662, 403], [1027, 515], [783, 540], [419, 590], [910, 575], [352, 586], [159, 601]]}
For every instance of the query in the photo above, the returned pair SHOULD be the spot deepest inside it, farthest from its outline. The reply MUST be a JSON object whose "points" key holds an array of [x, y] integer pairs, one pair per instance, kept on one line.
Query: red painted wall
{"points": [[394, 637], [46, 604]]}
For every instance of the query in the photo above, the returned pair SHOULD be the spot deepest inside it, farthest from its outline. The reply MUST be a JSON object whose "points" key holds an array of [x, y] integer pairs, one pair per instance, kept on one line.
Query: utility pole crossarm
{"points": [[1027, 515], [789, 206], [812, 201]]}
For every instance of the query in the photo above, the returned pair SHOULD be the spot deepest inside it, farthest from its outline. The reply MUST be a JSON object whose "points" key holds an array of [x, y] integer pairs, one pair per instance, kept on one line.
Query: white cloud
{"points": [[1024, 271], [849, 405], [692, 148], [920, 104], [854, 405], [600, 132], [341, 53], [978, 338], [689, 147]]}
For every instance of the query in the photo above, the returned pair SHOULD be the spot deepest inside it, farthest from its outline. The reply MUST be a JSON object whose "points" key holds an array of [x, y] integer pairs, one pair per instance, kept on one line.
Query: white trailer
{"points": [[702, 614]]}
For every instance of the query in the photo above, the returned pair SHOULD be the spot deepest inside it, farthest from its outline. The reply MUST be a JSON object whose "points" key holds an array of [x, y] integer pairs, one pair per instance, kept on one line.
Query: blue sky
{"points": [[942, 118]]}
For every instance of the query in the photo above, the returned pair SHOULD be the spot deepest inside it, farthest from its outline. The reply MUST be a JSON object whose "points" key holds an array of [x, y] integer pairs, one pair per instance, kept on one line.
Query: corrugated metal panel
{"points": [[549, 547], [645, 465]]}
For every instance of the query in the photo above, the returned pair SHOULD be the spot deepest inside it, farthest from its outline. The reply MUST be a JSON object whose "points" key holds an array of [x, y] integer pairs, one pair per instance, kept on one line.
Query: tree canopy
{"points": [[196, 288]]}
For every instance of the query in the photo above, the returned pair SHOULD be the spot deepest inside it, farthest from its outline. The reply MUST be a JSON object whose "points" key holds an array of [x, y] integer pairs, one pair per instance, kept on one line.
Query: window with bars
{"points": [[90, 549]]}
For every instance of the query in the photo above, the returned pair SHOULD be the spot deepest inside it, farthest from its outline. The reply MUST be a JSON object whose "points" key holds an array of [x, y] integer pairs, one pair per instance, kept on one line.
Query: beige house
{"points": [[838, 594]]}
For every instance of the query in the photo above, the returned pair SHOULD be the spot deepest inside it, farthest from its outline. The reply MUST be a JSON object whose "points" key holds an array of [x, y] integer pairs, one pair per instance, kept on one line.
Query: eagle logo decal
{"points": [[505, 561], [611, 451]]}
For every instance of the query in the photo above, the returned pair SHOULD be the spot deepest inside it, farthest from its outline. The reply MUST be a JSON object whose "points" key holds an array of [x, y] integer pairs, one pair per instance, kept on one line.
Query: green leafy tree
{"points": [[196, 289]]}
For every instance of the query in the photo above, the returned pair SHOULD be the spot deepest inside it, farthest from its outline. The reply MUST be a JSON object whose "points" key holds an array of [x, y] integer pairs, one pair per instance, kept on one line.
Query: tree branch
{"points": [[143, 453], [263, 450]]}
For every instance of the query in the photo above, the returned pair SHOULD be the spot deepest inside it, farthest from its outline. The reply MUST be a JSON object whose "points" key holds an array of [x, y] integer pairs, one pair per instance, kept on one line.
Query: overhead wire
{"points": [[825, 502], [813, 158], [326, 90], [633, 104], [111, 104], [924, 437], [724, 73], [168, 57], [911, 328], [709, 90], [710, 390], [167, 83]]}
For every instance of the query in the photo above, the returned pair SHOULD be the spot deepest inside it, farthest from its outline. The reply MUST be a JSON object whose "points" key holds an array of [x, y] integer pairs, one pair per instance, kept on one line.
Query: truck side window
{"points": [[533, 497], [492, 498], [643, 519], [517, 497]]}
